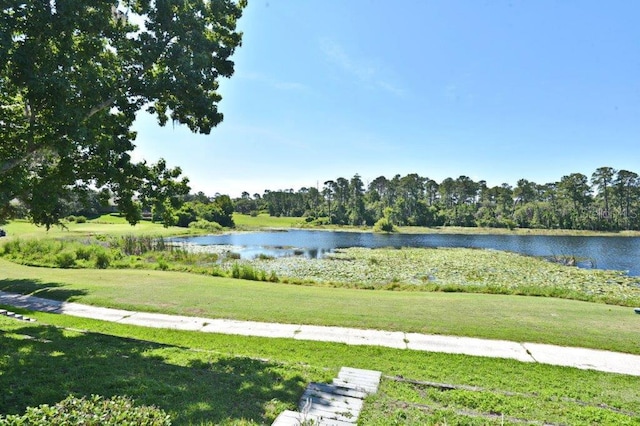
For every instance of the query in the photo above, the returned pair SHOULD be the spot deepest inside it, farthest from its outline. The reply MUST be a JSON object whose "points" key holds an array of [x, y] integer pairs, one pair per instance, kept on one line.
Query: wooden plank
{"points": [[331, 400], [335, 404], [288, 418], [359, 377], [294, 418], [368, 389], [343, 416], [349, 370], [359, 381], [338, 390], [367, 379]]}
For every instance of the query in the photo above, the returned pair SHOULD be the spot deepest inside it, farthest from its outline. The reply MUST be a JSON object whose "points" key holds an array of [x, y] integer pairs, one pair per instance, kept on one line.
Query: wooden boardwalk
{"points": [[335, 404]]}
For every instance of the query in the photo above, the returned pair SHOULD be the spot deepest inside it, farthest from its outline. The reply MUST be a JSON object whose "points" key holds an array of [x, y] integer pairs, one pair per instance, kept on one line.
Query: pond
{"points": [[619, 253]]}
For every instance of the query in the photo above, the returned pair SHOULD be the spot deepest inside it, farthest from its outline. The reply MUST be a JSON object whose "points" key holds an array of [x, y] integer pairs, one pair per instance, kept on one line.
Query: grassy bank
{"points": [[263, 221], [407, 269], [102, 225], [543, 320], [215, 379], [112, 225], [201, 378]]}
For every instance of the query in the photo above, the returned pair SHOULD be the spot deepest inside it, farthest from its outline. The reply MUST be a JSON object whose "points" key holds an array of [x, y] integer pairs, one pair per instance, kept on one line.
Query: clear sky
{"points": [[494, 90]]}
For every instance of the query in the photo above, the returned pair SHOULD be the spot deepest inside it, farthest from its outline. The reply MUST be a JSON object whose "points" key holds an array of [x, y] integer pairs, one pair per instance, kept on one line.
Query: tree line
{"points": [[608, 200]]}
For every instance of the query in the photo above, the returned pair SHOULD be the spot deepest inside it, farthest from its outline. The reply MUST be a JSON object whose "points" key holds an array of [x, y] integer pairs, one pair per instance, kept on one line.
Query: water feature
{"points": [[620, 253]]}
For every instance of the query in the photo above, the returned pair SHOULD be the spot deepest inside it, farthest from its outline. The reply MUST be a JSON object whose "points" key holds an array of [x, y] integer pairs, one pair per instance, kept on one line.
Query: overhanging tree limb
{"points": [[80, 72]]}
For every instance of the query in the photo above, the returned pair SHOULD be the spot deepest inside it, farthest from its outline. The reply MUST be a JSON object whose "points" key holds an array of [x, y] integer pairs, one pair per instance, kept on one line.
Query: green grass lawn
{"points": [[517, 318], [103, 225], [245, 221], [201, 378]]}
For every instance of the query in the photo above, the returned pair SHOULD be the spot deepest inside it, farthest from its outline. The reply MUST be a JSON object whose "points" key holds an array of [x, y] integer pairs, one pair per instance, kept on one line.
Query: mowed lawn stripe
{"points": [[517, 318]]}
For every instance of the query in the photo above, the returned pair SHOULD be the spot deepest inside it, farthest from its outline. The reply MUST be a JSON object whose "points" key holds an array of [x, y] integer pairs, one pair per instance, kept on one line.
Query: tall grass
{"points": [[136, 245], [246, 271], [128, 251], [60, 253]]}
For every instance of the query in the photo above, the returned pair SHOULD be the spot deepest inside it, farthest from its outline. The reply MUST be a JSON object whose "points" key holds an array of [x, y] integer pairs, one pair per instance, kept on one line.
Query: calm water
{"points": [[621, 253]]}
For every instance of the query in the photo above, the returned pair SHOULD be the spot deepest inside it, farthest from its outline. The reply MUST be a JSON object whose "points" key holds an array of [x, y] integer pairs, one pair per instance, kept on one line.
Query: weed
{"points": [[229, 255]]}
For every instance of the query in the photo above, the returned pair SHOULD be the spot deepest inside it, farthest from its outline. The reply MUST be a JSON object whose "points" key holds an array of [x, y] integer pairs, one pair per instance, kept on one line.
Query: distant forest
{"points": [[609, 200]]}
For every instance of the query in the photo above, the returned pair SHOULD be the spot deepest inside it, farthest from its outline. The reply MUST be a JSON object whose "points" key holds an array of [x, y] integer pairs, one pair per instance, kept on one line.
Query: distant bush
{"points": [[66, 259], [102, 259], [206, 225], [11, 247], [96, 411], [84, 252], [81, 219], [310, 222], [383, 225]]}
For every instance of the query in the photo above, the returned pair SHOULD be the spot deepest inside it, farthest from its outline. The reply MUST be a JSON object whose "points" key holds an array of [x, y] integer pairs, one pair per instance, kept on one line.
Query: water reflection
{"points": [[621, 253], [254, 251]]}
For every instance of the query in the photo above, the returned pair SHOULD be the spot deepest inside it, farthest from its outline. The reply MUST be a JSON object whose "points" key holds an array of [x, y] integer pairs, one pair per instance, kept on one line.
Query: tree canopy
{"points": [[73, 75], [611, 203]]}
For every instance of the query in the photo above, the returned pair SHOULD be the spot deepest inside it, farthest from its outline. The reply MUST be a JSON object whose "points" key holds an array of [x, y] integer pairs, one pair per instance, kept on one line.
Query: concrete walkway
{"points": [[587, 359]]}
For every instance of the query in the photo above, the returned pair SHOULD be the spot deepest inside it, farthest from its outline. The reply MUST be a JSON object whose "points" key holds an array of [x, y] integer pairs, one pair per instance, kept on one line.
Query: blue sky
{"points": [[493, 90]]}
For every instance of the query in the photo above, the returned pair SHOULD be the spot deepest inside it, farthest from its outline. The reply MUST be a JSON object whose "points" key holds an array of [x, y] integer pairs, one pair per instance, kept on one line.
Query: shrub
{"points": [[163, 265], [83, 252], [95, 411], [65, 259], [81, 219], [206, 225], [383, 225], [11, 247], [102, 259], [247, 272]]}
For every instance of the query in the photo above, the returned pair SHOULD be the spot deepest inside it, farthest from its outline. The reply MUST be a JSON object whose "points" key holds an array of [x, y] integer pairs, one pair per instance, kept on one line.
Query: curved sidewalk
{"points": [[588, 359]]}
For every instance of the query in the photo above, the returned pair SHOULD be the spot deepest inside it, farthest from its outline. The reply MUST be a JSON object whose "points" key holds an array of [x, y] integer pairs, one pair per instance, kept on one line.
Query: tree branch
{"points": [[96, 109], [7, 166], [107, 103]]}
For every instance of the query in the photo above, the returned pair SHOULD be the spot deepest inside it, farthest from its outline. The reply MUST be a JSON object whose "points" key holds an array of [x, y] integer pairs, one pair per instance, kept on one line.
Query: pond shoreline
{"points": [[590, 251], [445, 230]]}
